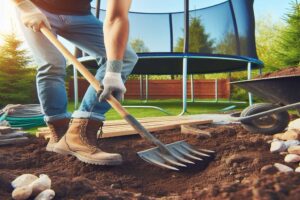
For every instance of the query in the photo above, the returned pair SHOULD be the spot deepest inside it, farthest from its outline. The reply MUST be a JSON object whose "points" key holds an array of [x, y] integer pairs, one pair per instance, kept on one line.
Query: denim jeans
{"points": [[86, 32]]}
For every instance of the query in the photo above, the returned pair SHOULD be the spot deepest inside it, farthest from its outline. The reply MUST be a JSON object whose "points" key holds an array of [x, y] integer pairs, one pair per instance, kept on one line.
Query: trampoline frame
{"points": [[185, 55], [184, 74]]}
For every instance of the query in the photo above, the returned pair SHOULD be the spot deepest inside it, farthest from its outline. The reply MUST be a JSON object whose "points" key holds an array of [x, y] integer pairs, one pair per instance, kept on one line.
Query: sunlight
{"points": [[7, 18]]}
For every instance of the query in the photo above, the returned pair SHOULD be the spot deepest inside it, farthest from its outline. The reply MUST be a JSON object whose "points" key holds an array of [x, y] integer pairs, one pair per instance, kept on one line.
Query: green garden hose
{"points": [[24, 116]]}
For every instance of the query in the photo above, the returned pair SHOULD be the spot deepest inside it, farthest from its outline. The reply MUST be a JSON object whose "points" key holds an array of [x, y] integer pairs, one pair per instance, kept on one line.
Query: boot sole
{"points": [[87, 160]]}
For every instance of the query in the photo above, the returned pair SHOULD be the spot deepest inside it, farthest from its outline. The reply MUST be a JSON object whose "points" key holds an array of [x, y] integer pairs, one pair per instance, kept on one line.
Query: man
{"points": [[73, 20]]}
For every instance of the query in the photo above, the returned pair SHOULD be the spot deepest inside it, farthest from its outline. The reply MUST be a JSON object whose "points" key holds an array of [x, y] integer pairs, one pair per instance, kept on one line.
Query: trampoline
{"points": [[228, 44]]}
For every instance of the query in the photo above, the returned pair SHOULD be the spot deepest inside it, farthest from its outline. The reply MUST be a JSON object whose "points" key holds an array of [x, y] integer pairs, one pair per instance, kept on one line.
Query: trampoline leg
{"points": [[229, 78], [260, 71], [249, 70], [146, 88], [184, 86], [192, 88], [216, 90], [141, 87], [75, 87]]}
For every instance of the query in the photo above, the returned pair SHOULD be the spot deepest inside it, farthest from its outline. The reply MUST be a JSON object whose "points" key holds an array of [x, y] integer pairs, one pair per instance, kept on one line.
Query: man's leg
{"points": [[86, 32], [50, 80], [80, 139]]}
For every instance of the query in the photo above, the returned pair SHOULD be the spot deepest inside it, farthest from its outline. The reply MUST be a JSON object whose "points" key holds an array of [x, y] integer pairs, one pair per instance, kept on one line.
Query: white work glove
{"points": [[113, 84], [31, 16]]}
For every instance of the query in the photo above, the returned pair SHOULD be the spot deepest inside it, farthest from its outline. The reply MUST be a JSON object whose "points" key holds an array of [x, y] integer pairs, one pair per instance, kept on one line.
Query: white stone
{"points": [[297, 169], [291, 143], [295, 124], [277, 146], [45, 195], [283, 168], [23, 180], [292, 158], [41, 184], [22, 193]]}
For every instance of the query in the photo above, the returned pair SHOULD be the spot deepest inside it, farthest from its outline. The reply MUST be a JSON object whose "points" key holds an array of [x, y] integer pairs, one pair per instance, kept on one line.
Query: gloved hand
{"points": [[113, 84], [31, 16]]}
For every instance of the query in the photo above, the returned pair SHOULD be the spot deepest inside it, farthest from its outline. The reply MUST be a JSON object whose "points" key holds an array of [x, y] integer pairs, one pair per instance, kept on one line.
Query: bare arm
{"points": [[116, 28]]}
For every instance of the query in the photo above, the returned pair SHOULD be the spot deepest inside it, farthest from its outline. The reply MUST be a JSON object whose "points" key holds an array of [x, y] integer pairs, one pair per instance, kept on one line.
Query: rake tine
{"points": [[178, 156], [207, 151], [170, 160], [187, 154], [194, 151], [153, 161]]}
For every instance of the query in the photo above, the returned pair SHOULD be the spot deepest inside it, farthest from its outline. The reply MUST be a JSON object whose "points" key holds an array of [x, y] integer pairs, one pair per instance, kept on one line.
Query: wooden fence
{"points": [[164, 89]]}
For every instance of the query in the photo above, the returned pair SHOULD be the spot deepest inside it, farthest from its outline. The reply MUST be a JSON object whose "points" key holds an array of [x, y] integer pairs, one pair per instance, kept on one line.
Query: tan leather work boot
{"points": [[81, 142], [57, 129]]}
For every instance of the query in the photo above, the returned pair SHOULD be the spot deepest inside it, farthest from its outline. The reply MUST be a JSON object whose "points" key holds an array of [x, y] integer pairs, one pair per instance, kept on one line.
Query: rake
{"points": [[171, 156]]}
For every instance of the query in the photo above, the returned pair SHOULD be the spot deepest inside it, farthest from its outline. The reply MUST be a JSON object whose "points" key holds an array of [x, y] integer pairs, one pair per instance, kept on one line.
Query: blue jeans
{"points": [[86, 32]]}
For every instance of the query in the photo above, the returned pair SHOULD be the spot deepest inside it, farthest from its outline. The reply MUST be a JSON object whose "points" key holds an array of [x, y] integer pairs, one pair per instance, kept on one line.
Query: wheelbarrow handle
{"points": [[96, 85]]}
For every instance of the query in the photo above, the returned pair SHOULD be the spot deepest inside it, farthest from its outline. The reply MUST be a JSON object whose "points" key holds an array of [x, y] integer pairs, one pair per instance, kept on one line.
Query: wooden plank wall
{"points": [[165, 89]]}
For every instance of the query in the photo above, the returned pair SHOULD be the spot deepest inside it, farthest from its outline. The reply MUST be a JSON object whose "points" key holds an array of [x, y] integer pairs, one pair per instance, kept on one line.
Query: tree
{"points": [[139, 46], [199, 40], [267, 36], [17, 83], [289, 43]]}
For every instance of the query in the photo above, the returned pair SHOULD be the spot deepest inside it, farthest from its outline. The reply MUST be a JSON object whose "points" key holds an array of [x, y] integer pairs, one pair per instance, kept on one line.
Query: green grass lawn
{"points": [[172, 106]]}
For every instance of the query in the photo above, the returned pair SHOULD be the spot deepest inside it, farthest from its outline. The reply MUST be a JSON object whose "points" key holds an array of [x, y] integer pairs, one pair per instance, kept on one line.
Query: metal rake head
{"points": [[175, 155]]}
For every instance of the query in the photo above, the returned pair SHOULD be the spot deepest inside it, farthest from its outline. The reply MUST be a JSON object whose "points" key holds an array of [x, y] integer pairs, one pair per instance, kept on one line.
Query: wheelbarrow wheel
{"points": [[269, 124]]}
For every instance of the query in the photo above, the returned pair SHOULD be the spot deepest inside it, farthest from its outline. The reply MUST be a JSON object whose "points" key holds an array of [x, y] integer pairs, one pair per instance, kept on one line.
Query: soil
{"points": [[283, 72], [233, 173]]}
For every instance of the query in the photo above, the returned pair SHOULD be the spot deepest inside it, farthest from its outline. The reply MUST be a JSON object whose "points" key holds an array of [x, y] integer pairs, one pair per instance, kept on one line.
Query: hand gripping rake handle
{"points": [[96, 84]]}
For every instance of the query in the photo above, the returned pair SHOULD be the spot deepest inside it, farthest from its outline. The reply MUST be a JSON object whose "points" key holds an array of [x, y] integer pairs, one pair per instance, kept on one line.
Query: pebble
{"points": [[291, 143], [295, 124], [280, 146], [23, 180], [291, 134], [22, 193], [277, 146], [41, 184], [294, 149], [115, 186], [292, 158], [268, 169], [45, 195], [297, 169], [283, 168]]}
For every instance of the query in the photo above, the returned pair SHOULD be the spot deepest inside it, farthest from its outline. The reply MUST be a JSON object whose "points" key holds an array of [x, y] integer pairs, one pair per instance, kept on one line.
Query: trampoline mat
{"points": [[171, 63]]}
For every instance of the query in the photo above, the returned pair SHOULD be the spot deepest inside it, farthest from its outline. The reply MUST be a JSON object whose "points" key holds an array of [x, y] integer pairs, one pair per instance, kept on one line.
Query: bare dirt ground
{"points": [[286, 71], [234, 173]]}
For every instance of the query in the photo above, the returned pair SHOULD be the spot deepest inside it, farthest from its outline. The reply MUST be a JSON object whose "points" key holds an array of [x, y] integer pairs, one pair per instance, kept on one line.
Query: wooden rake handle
{"points": [[96, 84]]}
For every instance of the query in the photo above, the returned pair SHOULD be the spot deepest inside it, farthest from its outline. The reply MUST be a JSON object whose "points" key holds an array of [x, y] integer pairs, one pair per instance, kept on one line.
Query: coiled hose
{"points": [[23, 116]]}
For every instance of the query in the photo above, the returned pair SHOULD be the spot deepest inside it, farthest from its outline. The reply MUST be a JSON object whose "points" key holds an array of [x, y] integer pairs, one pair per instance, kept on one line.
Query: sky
{"points": [[262, 8]]}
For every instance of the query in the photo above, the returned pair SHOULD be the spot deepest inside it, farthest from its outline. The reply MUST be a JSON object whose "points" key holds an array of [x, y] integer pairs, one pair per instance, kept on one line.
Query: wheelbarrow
{"points": [[282, 93]]}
